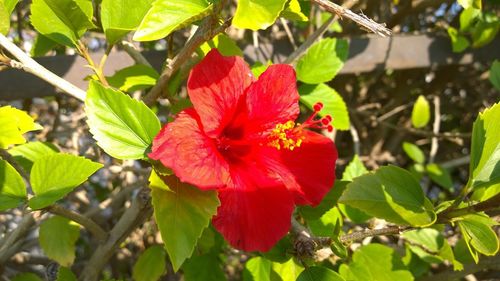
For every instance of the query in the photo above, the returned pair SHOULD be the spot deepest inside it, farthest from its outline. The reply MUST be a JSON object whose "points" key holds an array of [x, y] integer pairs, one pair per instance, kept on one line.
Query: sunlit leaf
{"points": [[257, 14], [182, 212], [122, 126], [166, 16], [421, 113], [151, 264], [375, 262], [119, 17], [390, 193], [54, 176], [57, 238], [334, 104], [12, 187], [322, 61]]}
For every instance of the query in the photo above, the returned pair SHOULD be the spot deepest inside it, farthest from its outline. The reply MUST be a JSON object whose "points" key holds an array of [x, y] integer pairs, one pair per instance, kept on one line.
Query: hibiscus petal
{"points": [[313, 165], [182, 146], [273, 98], [255, 210], [215, 86]]}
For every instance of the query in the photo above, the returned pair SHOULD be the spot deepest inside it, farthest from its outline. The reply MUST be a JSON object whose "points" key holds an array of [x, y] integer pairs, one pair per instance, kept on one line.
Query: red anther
{"points": [[329, 117], [325, 121], [318, 106], [330, 128]]}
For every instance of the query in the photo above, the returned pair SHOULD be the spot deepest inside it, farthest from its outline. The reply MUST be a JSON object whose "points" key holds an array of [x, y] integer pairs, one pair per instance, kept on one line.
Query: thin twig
{"points": [[355, 139], [288, 32], [134, 53], [26, 63], [360, 235], [204, 33], [139, 211], [18, 233], [435, 129], [360, 19], [89, 224], [315, 36]]}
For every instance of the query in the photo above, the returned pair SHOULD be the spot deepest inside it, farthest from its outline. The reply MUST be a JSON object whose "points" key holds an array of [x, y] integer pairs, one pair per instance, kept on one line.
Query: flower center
{"points": [[290, 135]]}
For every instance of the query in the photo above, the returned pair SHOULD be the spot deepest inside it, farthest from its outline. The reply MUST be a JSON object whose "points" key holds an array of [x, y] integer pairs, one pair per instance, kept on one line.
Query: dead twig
{"points": [[362, 20]]}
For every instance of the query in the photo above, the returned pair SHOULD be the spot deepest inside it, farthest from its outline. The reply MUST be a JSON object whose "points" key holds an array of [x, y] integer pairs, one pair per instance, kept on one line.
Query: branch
{"points": [[360, 19], [9, 241], [491, 204], [89, 224], [360, 235], [135, 215], [134, 53], [203, 34], [26, 63]]}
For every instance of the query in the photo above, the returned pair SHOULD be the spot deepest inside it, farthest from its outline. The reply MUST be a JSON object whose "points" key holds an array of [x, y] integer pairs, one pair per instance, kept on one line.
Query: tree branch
{"points": [[11, 238], [360, 235], [26, 63], [360, 19], [89, 224], [204, 33], [139, 211]]}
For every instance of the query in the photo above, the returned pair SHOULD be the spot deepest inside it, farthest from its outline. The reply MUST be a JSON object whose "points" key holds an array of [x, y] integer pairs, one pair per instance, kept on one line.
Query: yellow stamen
{"points": [[286, 135]]}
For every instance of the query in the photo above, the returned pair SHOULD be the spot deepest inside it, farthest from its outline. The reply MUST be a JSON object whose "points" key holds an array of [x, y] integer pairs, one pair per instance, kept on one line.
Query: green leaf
{"points": [[134, 78], [257, 269], [316, 273], [182, 212], [478, 235], [151, 264], [42, 46], [166, 16], [414, 152], [467, 18], [375, 262], [12, 187], [57, 238], [54, 176], [354, 169], [330, 199], [26, 154], [258, 68], [119, 17], [10, 5], [333, 103], [63, 21], [4, 19], [122, 126], [485, 148], [495, 74], [27, 277], [416, 265], [439, 175], [65, 274], [225, 45], [484, 32], [203, 268], [257, 14], [470, 3], [325, 225], [390, 193], [293, 11], [13, 124], [430, 245], [287, 271], [280, 252], [485, 192], [458, 42], [322, 61], [421, 113]]}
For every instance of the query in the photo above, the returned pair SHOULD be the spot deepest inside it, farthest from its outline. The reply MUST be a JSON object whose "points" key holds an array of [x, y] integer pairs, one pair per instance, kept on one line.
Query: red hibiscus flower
{"points": [[240, 138]]}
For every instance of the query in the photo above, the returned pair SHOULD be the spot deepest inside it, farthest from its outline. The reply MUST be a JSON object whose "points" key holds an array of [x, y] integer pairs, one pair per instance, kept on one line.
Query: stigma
{"points": [[290, 135]]}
